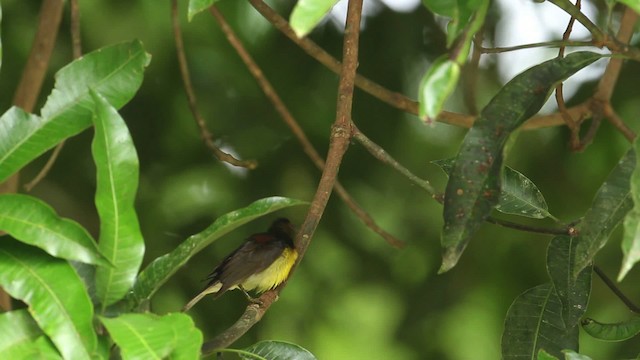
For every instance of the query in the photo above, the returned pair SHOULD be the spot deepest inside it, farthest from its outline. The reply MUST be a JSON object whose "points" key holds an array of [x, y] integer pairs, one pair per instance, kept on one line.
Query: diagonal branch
{"points": [[339, 142], [205, 134]]}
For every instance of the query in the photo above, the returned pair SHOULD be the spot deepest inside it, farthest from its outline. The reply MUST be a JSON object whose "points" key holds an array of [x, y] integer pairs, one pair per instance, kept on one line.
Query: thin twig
{"points": [[470, 77], [45, 169], [614, 288], [619, 124], [575, 12], [290, 121], [205, 134], [554, 43], [570, 231], [339, 142]]}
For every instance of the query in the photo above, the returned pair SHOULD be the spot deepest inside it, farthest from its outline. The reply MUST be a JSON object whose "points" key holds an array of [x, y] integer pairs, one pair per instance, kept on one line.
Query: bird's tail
{"points": [[194, 301]]}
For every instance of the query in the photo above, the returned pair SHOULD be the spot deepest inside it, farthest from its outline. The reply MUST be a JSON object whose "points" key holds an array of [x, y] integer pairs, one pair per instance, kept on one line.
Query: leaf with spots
{"points": [[474, 184]]}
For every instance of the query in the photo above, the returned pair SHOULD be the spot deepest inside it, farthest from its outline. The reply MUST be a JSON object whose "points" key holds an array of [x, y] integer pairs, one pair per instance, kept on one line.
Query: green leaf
{"points": [[307, 14], [633, 4], [56, 296], [448, 8], [36, 223], [121, 241], [22, 338], [476, 10], [149, 336], [278, 350], [474, 184], [162, 268], [197, 6], [518, 195], [543, 355], [612, 332], [436, 86], [573, 292], [115, 72], [610, 205], [533, 323], [631, 238]]}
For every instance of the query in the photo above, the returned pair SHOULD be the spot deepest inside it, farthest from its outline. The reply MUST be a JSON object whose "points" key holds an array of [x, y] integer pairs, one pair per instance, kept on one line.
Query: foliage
{"points": [[114, 295]]}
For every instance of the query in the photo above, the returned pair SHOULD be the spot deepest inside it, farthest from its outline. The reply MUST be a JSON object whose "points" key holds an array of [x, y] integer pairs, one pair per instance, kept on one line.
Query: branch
{"points": [[339, 142], [206, 136], [614, 288], [575, 12]]}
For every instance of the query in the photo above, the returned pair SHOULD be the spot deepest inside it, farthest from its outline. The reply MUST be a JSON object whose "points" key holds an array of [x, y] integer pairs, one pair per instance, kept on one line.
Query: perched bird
{"points": [[261, 263]]}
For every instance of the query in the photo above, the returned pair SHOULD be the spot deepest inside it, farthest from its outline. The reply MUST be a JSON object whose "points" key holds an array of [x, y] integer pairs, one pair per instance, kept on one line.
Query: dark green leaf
{"points": [[436, 86], [55, 294], [20, 338], [612, 332], [115, 72], [474, 185], [36, 223], [533, 323], [573, 292], [149, 336], [307, 14], [278, 350], [610, 205], [197, 6], [159, 271], [518, 195], [117, 181], [631, 239]]}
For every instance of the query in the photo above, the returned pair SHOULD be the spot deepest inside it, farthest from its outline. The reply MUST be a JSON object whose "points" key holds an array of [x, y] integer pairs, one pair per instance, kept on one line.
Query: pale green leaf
{"points": [[307, 14], [198, 6], [437, 84], [278, 350]]}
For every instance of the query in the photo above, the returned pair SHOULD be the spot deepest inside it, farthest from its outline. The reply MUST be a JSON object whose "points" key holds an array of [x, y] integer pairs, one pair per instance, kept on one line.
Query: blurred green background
{"points": [[354, 296]]}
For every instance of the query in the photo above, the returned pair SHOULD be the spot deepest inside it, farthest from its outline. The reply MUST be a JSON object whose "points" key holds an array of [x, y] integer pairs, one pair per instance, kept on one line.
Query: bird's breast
{"points": [[275, 274]]}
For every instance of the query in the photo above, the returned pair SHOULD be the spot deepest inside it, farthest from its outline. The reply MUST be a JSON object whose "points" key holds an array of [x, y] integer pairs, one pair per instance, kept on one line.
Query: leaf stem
{"points": [[614, 288]]}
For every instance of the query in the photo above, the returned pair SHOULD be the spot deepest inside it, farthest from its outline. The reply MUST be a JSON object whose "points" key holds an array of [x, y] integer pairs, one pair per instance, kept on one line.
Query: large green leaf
{"points": [[573, 292], [36, 223], [149, 336], [162, 268], [308, 13], [518, 195], [533, 323], [610, 205], [277, 350], [115, 72], [634, 4], [631, 238], [22, 338], [612, 332], [121, 241], [55, 294], [474, 184]]}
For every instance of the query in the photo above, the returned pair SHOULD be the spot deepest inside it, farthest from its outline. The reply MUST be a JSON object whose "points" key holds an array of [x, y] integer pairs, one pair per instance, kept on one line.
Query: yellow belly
{"points": [[272, 276]]}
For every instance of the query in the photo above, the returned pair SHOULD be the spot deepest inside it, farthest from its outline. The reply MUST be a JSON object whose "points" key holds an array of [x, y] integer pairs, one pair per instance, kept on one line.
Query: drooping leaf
{"points": [[121, 241], [307, 14], [436, 86], [474, 184], [198, 6], [149, 336], [573, 292], [57, 299], [533, 322], [518, 195], [277, 350], [631, 238], [115, 72], [21, 338], [612, 332], [159, 271], [36, 223], [460, 12], [610, 205]]}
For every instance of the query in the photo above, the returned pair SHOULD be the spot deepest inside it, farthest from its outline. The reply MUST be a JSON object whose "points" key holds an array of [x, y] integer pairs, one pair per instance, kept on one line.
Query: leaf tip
{"points": [[450, 257]]}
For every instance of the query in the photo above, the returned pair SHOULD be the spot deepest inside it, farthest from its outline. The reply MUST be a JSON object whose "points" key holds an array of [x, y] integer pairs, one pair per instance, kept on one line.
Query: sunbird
{"points": [[261, 263]]}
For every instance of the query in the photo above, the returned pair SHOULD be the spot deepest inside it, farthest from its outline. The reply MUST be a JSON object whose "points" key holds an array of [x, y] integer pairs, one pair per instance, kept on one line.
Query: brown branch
{"points": [[45, 169], [470, 78], [290, 121], [339, 142], [619, 124], [575, 12], [205, 134]]}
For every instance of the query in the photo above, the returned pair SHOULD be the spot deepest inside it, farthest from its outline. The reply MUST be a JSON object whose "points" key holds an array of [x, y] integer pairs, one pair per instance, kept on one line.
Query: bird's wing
{"points": [[252, 257]]}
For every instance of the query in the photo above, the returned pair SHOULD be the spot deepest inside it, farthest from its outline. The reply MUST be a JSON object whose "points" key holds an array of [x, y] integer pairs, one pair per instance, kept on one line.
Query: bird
{"points": [[261, 263]]}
